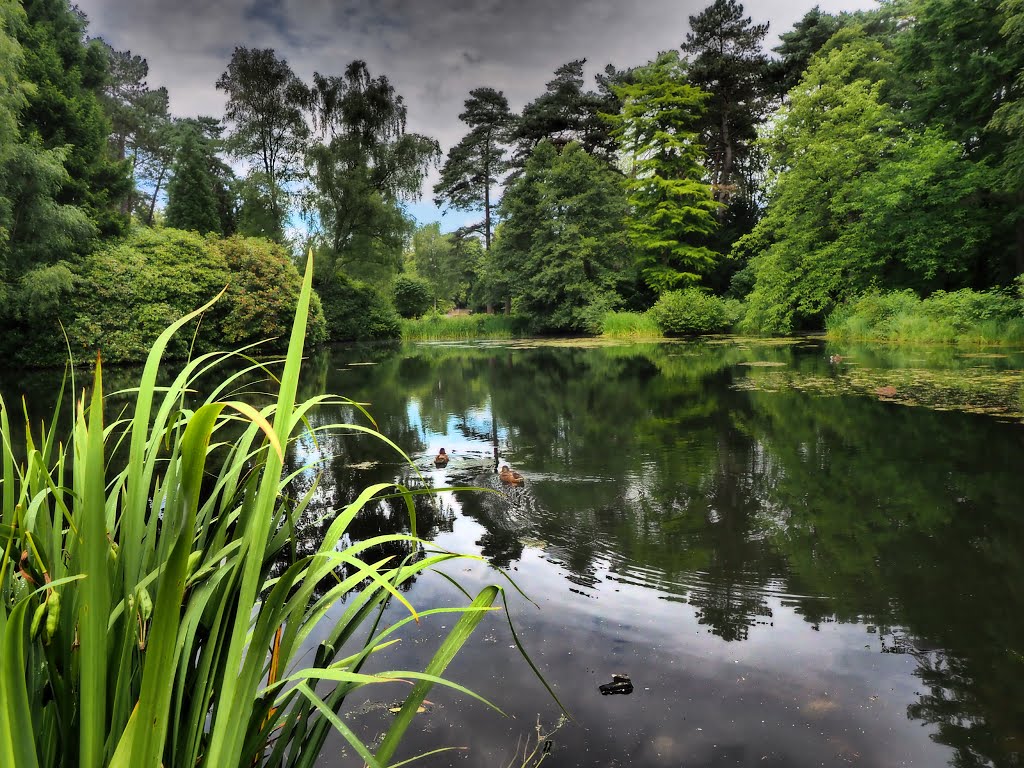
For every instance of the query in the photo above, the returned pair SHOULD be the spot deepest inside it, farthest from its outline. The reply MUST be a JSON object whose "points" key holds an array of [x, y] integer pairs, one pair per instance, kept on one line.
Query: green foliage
{"points": [[262, 295], [672, 208], [799, 44], [130, 290], [566, 113], [256, 217], [355, 311], [956, 317], [36, 227], [437, 327], [40, 230], [435, 260], [265, 109], [411, 296], [475, 164], [40, 291], [690, 311], [728, 64], [630, 325], [63, 111], [1009, 117], [857, 199], [191, 199], [362, 168], [561, 245], [119, 298], [169, 639]]}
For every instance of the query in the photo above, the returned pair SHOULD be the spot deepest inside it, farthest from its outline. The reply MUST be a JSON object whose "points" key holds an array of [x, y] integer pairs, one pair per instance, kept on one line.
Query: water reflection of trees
{"points": [[646, 467], [650, 469]]}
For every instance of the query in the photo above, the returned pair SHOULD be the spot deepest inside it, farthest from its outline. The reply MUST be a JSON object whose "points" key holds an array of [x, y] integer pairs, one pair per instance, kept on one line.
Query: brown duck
{"points": [[510, 477], [442, 459]]}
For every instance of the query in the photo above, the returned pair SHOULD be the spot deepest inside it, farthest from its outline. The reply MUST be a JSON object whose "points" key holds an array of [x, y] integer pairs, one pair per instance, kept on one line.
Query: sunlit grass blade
{"points": [[95, 592]]}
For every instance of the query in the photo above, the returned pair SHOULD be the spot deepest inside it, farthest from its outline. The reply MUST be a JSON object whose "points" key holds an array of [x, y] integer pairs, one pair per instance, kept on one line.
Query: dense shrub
{"points": [[262, 294], [124, 295], [354, 311], [963, 316], [690, 311], [411, 296]]}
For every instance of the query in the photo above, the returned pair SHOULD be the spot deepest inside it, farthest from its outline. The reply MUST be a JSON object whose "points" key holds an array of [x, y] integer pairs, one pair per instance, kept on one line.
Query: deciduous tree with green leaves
{"points": [[562, 242], [364, 165], [433, 259], [672, 206], [265, 101], [858, 199]]}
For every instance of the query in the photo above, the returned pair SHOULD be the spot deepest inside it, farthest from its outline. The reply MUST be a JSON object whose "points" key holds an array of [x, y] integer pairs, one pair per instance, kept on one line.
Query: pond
{"points": [[800, 555]]}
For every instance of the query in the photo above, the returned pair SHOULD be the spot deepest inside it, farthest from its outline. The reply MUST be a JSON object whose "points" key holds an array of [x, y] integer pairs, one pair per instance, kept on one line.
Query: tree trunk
{"points": [[1020, 246], [156, 191], [723, 182], [487, 215], [1020, 236]]}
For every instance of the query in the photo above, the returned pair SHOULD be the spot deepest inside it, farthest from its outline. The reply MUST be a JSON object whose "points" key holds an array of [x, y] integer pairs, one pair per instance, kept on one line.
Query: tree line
{"points": [[871, 151]]}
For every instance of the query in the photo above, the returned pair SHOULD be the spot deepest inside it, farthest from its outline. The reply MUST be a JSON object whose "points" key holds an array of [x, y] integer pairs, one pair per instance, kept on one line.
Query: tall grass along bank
{"points": [[630, 325], [438, 327], [958, 317], [140, 623]]}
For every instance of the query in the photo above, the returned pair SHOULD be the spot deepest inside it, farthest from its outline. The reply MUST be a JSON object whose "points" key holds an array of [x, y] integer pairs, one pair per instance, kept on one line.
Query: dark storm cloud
{"points": [[434, 51]]}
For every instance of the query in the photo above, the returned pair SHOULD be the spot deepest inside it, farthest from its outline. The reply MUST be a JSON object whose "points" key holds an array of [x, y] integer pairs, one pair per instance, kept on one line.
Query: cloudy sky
{"points": [[433, 51]]}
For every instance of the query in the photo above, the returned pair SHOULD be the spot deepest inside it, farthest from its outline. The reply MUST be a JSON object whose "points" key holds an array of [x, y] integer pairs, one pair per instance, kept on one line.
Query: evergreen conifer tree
{"points": [[191, 196]]}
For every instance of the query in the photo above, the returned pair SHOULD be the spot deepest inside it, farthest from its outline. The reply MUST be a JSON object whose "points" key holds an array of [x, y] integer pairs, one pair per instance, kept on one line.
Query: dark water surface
{"points": [[795, 565]]}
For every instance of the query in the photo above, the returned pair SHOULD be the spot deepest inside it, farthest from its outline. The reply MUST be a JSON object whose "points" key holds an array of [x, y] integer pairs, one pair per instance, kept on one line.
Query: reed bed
{"points": [[437, 327], [630, 325], [141, 623]]}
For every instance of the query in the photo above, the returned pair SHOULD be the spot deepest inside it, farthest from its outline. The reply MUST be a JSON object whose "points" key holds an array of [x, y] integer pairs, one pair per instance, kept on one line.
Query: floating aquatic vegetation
{"points": [[978, 389]]}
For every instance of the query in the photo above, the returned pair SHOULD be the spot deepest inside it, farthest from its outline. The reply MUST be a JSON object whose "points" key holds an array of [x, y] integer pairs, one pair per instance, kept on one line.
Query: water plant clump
{"points": [[434, 326], [141, 621]]}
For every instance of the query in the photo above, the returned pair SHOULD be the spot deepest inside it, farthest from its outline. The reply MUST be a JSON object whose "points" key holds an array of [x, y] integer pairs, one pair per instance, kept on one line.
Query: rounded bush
{"points": [[126, 293], [356, 312], [411, 296], [262, 294], [690, 311]]}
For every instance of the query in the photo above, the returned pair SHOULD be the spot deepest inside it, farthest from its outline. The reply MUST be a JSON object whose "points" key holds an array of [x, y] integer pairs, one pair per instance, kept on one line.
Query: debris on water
{"points": [[619, 684], [889, 391]]}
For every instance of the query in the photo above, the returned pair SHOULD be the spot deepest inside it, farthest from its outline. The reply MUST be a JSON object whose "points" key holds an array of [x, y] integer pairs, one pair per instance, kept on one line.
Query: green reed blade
{"points": [[95, 591]]}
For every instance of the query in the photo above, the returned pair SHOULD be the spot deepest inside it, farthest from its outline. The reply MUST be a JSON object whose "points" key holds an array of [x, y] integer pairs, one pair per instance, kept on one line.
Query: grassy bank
{"points": [[630, 325], [980, 318], [434, 327]]}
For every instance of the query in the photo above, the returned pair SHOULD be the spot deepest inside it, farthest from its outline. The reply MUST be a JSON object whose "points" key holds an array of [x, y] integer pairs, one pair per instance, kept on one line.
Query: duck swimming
{"points": [[442, 459], [510, 477]]}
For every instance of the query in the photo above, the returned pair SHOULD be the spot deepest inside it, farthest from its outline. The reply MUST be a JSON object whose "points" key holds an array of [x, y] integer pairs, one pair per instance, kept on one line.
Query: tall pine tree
{"points": [[191, 195], [727, 63], [673, 208], [475, 164]]}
